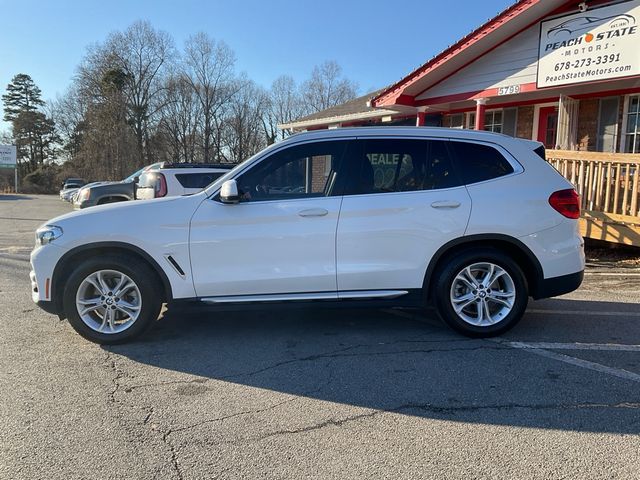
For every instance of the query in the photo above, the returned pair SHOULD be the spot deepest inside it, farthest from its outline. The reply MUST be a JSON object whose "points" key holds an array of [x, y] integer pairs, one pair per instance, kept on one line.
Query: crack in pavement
{"points": [[432, 409], [340, 353], [115, 381], [260, 410], [332, 354]]}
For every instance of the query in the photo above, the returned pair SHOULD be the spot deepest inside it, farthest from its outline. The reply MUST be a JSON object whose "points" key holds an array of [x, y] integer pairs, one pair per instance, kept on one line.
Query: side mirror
{"points": [[136, 179], [229, 192]]}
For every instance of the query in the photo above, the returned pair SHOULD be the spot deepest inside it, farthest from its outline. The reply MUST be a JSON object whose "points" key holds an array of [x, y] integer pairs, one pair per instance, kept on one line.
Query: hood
{"points": [[133, 210]]}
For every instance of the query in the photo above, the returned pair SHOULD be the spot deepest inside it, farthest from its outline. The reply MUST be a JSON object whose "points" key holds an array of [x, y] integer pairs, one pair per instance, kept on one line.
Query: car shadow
{"points": [[403, 362]]}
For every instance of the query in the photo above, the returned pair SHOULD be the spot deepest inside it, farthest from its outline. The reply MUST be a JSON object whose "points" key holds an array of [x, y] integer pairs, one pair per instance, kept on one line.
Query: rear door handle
{"points": [[445, 204], [313, 212]]}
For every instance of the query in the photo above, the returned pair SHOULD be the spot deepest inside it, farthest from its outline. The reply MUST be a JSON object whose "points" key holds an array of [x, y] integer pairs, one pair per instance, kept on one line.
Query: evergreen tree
{"points": [[23, 95], [33, 132]]}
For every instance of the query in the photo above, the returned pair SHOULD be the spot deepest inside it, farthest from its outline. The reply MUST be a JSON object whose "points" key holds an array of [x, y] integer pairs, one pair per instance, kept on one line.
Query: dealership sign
{"points": [[599, 44], [7, 156]]}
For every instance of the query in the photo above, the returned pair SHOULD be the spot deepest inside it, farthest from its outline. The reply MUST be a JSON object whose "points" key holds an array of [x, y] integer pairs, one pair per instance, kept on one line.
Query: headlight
{"points": [[47, 234], [83, 195]]}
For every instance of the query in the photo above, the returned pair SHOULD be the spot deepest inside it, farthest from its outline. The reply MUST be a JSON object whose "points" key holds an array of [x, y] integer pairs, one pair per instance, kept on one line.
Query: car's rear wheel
{"points": [[481, 293], [112, 300]]}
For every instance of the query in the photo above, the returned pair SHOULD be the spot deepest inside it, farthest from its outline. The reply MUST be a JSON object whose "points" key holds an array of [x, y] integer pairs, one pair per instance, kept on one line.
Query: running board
{"points": [[347, 295]]}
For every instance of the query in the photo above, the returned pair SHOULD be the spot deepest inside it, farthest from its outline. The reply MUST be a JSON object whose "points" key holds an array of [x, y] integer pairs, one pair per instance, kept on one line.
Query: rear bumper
{"points": [[552, 287]]}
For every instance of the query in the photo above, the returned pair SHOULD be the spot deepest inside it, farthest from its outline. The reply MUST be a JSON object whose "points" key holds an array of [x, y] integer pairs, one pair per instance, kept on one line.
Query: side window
{"points": [[197, 180], [477, 162], [398, 165], [302, 171]]}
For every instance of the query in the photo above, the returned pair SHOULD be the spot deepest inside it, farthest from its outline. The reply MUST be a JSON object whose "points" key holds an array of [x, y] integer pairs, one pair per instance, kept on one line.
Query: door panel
{"points": [[264, 247], [386, 241], [280, 239], [403, 201]]}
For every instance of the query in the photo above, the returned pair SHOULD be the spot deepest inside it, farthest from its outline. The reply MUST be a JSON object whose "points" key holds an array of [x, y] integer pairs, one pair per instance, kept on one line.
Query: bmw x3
{"points": [[472, 223]]}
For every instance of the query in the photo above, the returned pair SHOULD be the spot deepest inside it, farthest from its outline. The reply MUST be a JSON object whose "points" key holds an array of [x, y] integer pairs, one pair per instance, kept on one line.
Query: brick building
{"points": [[566, 73]]}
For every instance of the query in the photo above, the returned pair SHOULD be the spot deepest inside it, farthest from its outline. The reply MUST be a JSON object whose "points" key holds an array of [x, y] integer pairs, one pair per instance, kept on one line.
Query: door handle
{"points": [[313, 212], [445, 204]]}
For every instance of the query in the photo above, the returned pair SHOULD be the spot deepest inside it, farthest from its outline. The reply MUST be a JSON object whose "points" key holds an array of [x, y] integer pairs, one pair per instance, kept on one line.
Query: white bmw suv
{"points": [[473, 223]]}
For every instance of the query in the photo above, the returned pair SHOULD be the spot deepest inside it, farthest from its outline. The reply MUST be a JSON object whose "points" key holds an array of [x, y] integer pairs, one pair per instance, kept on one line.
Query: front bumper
{"points": [[43, 262], [83, 204]]}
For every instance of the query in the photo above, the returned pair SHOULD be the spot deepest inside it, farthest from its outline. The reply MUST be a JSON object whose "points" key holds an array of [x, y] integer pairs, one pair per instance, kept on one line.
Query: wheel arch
{"points": [[524, 257], [81, 252], [112, 199]]}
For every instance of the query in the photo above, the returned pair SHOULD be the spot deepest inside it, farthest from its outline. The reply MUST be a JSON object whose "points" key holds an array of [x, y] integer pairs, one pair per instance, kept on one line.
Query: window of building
{"points": [[509, 121], [608, 124], [498, 121], [493, 121], [397, 165], [631, 136], [456, 121], [471, 120], [477, 162]]}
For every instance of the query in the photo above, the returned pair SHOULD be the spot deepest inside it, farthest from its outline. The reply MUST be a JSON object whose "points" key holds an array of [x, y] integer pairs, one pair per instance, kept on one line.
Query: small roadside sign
{"points": [[7, 156]]}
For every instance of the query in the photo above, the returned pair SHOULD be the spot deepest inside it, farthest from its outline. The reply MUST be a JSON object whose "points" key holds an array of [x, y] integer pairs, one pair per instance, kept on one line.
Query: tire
{"points": [[472, 308], [132, 310]]}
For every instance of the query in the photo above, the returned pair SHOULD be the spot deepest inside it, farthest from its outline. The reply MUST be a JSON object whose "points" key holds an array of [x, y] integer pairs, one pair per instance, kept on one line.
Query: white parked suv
{"points": [[172, 180], [474, 223]]}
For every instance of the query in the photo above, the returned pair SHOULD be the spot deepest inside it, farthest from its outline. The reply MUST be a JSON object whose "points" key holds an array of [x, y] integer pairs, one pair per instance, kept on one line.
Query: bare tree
{"points": [[181, 122], [243, 132], [68, 112], [209, 66], [144, 55], [327, 88], [284, 105]]}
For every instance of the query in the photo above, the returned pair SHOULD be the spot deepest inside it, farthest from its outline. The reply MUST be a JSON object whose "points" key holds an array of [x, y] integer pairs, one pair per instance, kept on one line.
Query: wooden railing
{"points": [[609, 188], [607, 182]]}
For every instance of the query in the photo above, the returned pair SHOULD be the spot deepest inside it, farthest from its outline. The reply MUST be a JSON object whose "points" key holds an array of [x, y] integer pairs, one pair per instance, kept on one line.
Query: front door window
{"points": [[302, 171]]}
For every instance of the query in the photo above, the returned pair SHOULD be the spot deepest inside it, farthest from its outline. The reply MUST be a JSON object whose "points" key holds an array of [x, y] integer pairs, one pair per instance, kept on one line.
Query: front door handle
{"points": [[313, 212], [445, 204]]}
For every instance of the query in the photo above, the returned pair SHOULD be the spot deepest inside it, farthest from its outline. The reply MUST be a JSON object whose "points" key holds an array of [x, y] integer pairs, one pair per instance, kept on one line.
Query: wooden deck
{"points": [[609, 187]]}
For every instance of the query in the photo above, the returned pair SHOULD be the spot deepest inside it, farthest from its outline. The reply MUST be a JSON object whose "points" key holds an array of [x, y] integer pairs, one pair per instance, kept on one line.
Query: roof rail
{"points": [[227, 166]]}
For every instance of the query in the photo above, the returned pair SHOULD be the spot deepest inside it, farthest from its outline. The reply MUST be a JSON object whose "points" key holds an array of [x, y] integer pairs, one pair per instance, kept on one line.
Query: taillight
{"points": [[160, 186], [566, 202]]}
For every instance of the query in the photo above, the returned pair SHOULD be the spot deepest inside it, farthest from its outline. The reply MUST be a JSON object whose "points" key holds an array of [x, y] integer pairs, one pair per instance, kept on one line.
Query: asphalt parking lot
{"points": [[323, 393]]}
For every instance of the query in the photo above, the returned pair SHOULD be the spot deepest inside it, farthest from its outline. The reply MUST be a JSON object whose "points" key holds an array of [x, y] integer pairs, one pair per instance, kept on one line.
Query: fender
{"points": [[60, 266], [534, 278]]}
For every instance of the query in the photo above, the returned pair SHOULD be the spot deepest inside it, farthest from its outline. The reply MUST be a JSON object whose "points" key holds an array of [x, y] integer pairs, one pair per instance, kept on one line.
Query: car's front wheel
{"points": [[112, 300], [481, 293]]}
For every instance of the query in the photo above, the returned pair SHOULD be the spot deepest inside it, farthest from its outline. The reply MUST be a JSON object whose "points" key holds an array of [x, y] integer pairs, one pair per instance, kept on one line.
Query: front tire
{"points": [[112, 300], [481, 293]]}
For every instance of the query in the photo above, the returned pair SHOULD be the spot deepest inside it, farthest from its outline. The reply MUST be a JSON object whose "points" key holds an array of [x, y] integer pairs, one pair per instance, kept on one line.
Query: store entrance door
{"points": [[548, 126]]}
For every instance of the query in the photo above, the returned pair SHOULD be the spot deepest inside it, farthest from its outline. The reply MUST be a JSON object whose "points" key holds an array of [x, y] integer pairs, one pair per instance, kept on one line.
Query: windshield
{"points": [[134, 175], [137, 173]]}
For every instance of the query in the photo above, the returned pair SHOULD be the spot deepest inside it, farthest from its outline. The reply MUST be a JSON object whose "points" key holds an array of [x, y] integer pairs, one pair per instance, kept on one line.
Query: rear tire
{"points": [[480, 293], [111, 299]]}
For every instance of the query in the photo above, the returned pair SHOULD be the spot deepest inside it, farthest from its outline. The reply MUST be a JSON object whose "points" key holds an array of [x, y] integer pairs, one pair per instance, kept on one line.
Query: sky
{"points": [[375, 42]]}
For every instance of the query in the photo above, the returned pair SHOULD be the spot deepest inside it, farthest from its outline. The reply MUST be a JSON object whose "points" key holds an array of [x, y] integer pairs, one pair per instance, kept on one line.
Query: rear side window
{"points": [[198, 180], [399, 165], [476, 162]]}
